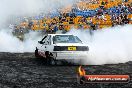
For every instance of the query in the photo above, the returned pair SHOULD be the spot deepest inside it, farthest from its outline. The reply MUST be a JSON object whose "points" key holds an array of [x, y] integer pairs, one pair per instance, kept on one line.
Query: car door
{"points": [[47, 46], [41, 44]]}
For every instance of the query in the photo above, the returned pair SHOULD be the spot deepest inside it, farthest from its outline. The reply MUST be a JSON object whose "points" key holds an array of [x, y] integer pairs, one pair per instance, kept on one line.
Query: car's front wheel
{"points": [[36, 52]]}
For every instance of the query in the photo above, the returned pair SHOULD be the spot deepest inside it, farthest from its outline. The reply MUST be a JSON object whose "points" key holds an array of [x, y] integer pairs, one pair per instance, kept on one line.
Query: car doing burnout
{"points": [[61, 47]]}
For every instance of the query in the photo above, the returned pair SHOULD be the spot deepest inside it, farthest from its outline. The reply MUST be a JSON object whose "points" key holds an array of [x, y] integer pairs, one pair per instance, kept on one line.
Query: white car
{"points": [[61, 46]]}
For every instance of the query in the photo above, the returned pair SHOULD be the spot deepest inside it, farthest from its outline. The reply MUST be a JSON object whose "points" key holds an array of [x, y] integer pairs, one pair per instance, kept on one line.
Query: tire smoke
{"points": [[12, 10], [9, 43], [107, 46]]}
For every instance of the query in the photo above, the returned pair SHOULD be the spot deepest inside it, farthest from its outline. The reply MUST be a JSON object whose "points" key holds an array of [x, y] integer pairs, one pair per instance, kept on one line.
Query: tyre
{"points": [[50, 59], [36, 53], [59, 62]]}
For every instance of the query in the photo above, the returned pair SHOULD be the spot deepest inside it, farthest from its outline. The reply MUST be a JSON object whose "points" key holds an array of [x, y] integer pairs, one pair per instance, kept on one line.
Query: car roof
{"points": [[58, 34]]}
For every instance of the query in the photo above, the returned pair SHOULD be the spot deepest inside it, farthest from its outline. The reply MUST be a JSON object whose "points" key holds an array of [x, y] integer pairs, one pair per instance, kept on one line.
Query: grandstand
{"points": [[85, 14]]}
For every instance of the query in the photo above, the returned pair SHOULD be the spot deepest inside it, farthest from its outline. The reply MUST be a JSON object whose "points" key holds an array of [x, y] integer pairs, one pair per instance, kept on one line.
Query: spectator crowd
{"points": [[85, 14]]}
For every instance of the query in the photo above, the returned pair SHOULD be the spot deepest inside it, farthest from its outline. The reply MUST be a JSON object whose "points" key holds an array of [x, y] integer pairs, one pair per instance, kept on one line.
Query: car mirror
{"points": [[40, 42]]}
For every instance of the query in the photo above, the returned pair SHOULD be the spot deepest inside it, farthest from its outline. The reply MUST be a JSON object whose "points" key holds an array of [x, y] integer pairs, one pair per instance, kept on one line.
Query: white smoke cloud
{"points": [[9, 8], [23, 8], [111, 45], [9, 43], [107, 46]]}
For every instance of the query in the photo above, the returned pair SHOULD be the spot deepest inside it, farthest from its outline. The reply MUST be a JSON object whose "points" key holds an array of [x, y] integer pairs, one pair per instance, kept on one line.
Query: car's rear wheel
{"points": [[50, 59]]}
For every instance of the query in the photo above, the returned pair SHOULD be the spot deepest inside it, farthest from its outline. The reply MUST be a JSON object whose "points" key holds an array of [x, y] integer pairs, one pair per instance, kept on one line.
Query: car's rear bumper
{"points": [[72, 55]]}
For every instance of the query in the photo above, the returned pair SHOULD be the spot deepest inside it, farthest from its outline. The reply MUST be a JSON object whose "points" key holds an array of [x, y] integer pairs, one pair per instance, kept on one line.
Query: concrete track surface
{"points": [[23, 70]]}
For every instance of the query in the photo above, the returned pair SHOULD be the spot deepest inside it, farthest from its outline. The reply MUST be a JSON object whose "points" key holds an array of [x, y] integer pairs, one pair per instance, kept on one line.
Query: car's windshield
{"points": [[66, 39]]}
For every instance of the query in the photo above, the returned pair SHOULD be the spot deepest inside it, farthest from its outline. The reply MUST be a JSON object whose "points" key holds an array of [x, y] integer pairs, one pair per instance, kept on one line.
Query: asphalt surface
{"points": [[23, 70]]}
